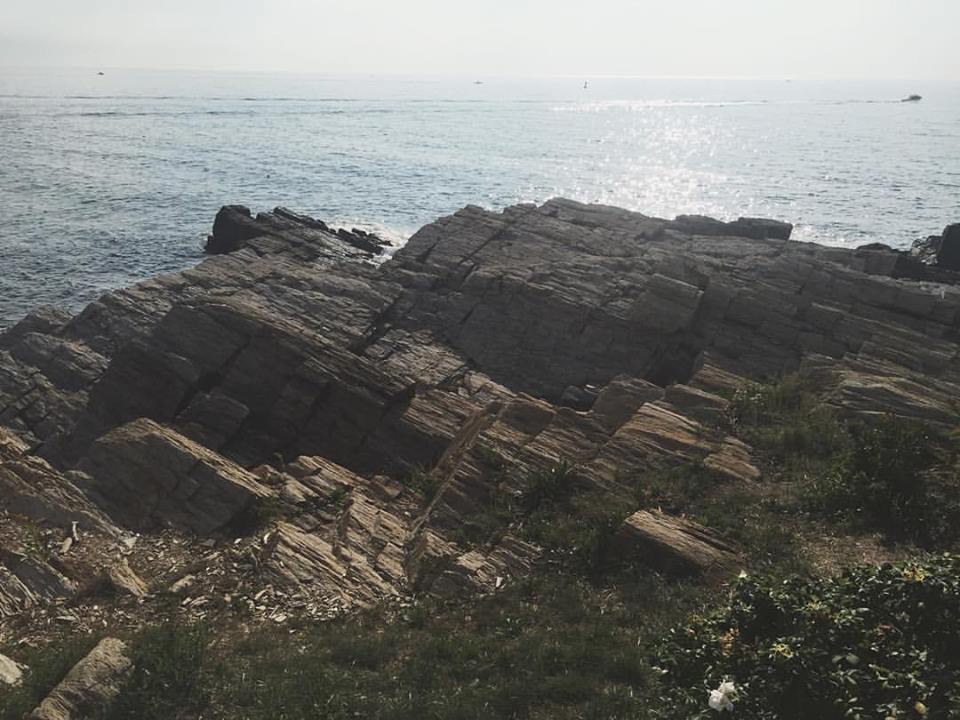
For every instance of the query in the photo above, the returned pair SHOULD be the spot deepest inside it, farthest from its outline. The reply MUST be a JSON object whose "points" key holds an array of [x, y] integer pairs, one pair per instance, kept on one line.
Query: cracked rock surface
{"points": [[247, 431]]}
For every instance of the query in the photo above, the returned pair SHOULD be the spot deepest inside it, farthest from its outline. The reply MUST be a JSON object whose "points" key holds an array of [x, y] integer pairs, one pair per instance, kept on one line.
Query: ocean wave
{"points": [[144, 113], [188, 113]]}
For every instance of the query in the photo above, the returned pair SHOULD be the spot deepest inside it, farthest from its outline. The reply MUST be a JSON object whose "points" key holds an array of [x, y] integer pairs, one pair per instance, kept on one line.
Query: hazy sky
{"points": [[778, 38]]}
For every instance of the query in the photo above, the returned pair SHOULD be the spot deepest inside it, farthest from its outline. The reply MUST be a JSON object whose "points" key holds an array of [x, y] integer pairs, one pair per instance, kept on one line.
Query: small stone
{"points": [[183, 585], [11, 672], [125, 581]]}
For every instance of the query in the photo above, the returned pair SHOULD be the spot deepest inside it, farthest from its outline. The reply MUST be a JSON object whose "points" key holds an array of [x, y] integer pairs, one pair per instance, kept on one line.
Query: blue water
{"points": [[107, 179]]}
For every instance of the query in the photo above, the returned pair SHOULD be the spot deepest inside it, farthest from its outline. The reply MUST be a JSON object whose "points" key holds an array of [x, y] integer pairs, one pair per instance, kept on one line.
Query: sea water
{"points": [[106, 179]]}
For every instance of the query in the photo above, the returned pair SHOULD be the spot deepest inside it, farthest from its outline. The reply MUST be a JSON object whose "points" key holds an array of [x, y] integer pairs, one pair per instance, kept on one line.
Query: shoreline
{"points": [[394, 239]]}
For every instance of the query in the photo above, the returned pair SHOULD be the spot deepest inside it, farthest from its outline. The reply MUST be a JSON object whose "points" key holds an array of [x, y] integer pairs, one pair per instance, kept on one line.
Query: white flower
{"points": [[722, 698]]}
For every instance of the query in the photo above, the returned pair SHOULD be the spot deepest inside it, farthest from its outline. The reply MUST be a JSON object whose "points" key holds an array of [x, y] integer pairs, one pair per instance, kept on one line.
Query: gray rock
{"points": [[942, 251], [515, 340], [948, 253], [147, 476]]}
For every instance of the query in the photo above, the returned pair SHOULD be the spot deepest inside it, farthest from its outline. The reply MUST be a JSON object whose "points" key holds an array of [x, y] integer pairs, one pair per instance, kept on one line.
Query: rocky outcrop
{"points": [[234, 228], [31, 487], [289, 422], [943, 250], [27, 581], [757, 228], [90, 686]]}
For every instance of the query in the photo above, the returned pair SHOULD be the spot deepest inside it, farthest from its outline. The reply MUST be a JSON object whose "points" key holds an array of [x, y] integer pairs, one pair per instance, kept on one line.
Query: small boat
{"points": [[478, 82], [584, 85], [99, 73], [912, 98]]}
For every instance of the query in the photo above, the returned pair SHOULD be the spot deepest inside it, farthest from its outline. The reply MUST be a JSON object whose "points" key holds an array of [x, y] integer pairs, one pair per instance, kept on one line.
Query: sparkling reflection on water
{"points": [[109, 179]]}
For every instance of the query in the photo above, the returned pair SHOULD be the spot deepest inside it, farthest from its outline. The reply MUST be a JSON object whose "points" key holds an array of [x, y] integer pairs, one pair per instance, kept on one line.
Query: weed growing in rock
{"points": [[425, 482]]}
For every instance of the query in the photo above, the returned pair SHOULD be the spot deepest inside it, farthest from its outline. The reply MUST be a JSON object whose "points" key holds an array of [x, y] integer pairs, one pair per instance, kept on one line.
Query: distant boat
{"points": [[478, 82], [99, 73], [584, 85], [912, 98]]}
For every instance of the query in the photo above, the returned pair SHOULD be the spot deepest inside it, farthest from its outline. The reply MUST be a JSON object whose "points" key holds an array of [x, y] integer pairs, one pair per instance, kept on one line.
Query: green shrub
{"points": [[576, 533], [884, 482], [876, 642], [546, 490], [885, 469], [424, 481], [867, 477], [550, 484], [257, 514], [676, 490], [758, 403]]}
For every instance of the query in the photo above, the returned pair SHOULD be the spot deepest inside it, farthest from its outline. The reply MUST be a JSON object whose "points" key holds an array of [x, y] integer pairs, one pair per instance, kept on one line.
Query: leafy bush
{"points": [[576, 533], [424, 481], [876, 642], [544, 491], [867, 476], [883, 482]]}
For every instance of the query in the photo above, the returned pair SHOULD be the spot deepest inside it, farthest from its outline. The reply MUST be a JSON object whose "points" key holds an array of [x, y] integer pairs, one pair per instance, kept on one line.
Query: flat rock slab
{"points": [[90, 686], [674, 545], [146, 475], [11, 672]]}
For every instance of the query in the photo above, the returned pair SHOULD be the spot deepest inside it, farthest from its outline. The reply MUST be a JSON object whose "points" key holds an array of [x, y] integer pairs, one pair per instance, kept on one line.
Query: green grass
{"points": [[788, 424], [895, 479], [551, 646], [167, 679], [889, 475]]}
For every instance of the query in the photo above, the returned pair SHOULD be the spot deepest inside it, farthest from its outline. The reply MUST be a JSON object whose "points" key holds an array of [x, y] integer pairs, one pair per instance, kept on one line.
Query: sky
{"points": [[822, 39]]}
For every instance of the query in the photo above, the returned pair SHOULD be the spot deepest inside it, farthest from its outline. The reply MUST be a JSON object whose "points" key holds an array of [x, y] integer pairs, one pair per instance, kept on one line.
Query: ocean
{"points": [[107, 179]]}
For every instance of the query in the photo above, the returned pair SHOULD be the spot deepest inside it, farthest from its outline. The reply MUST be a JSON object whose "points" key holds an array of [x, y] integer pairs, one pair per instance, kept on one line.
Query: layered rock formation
{"points": [[294, 426]]}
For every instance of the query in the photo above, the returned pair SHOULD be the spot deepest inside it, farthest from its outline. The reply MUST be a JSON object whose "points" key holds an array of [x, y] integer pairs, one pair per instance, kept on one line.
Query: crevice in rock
{"points": [[378, 328]]}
